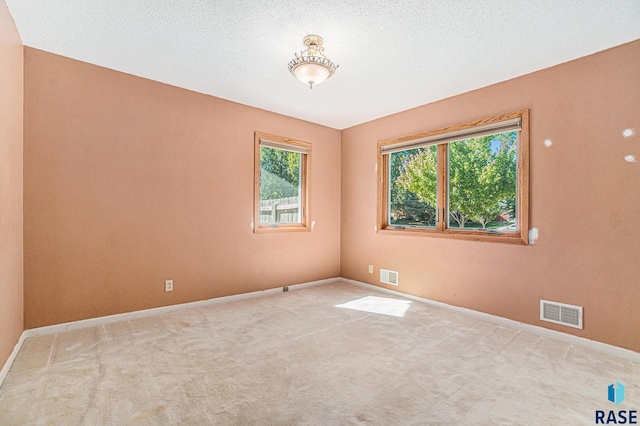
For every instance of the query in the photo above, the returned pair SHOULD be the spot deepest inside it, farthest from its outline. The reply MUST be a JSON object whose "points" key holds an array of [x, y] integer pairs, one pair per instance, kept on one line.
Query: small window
{"points": [[469, 181], [281, 195]]}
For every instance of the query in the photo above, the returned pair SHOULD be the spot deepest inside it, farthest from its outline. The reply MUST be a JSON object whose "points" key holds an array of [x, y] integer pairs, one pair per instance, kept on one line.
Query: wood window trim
{"points": [[305, 186], [440, 231]]}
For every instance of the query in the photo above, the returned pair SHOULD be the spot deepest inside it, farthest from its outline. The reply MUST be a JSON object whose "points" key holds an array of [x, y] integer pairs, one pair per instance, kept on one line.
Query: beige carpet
{"points": [[297, 359]]}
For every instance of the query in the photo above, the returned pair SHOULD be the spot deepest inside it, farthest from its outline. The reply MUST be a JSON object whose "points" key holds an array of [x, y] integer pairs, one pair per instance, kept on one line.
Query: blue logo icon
{"points": [[616, 392]]}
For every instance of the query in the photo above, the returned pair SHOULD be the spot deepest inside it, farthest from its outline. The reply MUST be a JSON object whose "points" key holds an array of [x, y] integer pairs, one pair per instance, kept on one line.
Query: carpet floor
{"points": [[334, 354]]}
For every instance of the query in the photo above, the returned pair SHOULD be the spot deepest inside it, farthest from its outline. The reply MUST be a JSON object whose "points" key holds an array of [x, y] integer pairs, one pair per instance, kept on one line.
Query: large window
{"points": [[281, 184], [469, 181]]}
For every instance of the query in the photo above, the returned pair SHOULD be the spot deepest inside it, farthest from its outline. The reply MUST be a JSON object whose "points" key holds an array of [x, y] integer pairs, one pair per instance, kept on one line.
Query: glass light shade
{"points": [[311, 74]]}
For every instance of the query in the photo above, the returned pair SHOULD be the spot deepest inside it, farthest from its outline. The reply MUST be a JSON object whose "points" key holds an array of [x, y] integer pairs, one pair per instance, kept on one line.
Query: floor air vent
{"points": [[388, 277], [561, 313]]}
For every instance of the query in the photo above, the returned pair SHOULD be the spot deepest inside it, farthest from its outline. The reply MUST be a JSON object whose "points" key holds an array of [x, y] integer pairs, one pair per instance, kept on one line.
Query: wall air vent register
{"points": [[388, 277], [561, 313]]}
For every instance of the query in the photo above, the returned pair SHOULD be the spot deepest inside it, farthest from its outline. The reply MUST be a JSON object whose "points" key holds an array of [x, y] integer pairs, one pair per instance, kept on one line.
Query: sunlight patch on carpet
{"points": [[378, 305]]}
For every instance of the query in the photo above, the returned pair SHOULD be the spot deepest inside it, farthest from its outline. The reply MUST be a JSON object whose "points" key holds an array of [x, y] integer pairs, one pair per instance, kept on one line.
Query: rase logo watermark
{"points": [[615, 394]]}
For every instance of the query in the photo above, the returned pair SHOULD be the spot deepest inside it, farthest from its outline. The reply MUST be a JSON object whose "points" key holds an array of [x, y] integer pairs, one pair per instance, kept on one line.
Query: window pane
{"points": [[280, 186], [413, 183], [482, 183]]}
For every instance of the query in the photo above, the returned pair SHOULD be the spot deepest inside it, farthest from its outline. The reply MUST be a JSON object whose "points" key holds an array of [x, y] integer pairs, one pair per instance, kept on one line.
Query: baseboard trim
{"points": [[9, 362], [146, 313], [545, 332]]}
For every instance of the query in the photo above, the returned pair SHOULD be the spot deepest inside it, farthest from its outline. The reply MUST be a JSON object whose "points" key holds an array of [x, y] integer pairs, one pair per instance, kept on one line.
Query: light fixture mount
{"points": [[312, 67], [313, 43]]}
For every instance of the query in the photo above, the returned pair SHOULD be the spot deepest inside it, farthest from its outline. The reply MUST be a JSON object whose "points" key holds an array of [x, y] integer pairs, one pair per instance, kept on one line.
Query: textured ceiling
{"points": [[393, 55]]}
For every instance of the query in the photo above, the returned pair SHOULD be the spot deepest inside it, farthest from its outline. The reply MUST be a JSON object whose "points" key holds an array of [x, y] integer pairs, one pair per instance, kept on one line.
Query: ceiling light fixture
{"points": [[312, 67]]}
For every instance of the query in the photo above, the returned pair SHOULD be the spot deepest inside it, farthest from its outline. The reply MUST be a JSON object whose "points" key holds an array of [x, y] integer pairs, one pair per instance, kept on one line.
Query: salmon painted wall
{"points": [[11, 84], [585, 202], [129, 182]]}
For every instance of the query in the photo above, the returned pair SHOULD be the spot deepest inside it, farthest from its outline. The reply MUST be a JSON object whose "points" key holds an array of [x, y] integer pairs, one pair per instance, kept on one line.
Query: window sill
{"points": [[282, 228], [510, 238]]}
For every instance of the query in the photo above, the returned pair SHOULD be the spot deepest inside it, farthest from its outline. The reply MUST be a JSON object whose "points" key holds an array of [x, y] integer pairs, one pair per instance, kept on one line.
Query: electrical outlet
{"points": [[371, 269], [168, 285]]}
